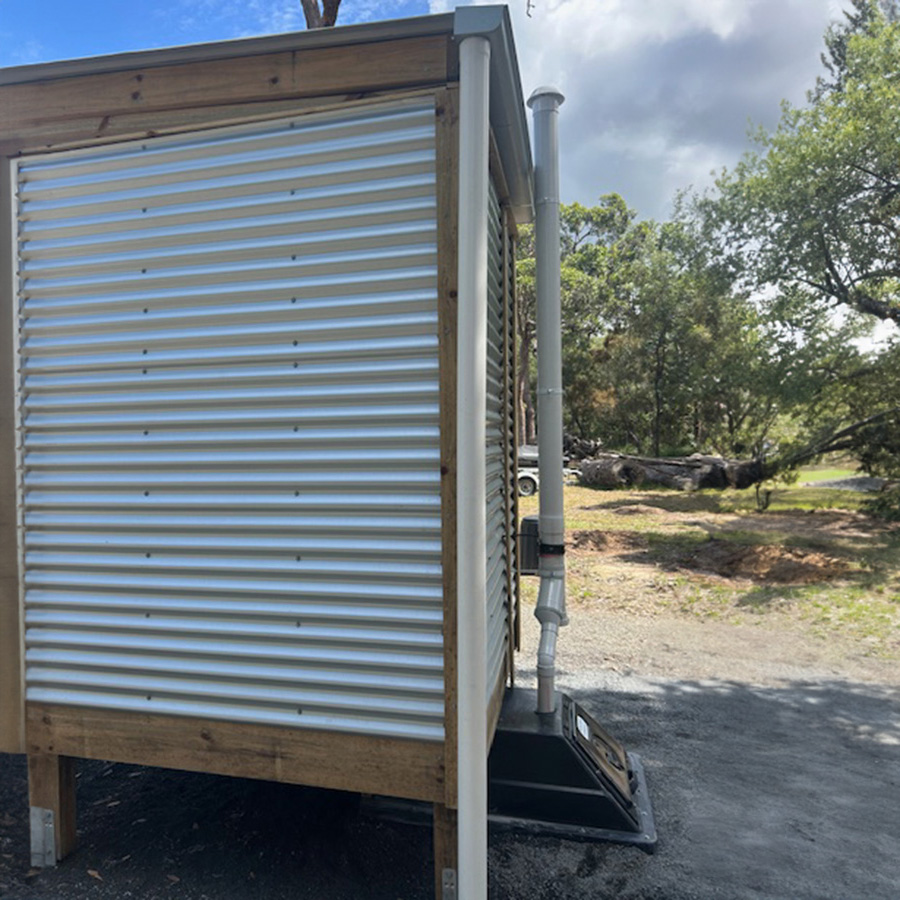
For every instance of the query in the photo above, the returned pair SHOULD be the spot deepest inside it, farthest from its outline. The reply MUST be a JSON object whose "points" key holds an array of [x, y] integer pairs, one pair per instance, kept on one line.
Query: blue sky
{"points": [[659, 92]]}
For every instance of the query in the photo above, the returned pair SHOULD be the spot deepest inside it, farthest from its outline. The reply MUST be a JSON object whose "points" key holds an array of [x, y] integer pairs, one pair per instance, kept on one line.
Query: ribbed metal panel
{"points": [[498, 601], [229, 422]]}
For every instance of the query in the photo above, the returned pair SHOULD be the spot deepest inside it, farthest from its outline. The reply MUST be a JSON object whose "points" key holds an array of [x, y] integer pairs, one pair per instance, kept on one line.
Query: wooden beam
{"points": [[12, 730], [319, 72], [51, 796], [348, 762], [496, 702], [91, 132], [447, 162]]}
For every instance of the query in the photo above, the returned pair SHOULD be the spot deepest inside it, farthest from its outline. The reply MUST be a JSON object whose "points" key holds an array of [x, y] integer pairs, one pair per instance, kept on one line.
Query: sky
{"points": [[659, 93]]}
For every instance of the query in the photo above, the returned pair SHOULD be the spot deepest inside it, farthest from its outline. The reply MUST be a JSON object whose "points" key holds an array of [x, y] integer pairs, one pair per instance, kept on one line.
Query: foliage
{"points": [[812, 218], [661, 355], [737, 328], [818, 206]]}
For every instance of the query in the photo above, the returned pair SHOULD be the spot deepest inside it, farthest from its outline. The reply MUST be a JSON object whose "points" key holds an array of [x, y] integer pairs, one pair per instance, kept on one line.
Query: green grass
{"points": [[816, 473], [655, 531]]}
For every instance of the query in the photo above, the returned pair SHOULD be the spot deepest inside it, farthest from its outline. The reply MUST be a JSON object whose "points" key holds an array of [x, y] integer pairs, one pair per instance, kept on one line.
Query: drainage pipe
{"points": [[551, 604], [471, 566]]}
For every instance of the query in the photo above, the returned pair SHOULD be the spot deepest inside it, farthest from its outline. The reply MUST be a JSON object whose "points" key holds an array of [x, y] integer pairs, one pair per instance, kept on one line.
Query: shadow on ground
{"points": [[786, 792]]}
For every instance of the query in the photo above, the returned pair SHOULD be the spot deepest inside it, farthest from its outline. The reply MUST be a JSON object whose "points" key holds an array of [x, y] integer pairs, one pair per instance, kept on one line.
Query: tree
{"points": [[819, 205], [660, 353], [814, 215], [862, 19], [323, 17], [588, 238]]}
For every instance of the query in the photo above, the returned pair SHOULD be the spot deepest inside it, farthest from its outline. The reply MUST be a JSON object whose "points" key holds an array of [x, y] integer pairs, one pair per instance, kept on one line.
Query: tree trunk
{"points": [[320, 18], [616, 470], [527, 430], [658, 374]]}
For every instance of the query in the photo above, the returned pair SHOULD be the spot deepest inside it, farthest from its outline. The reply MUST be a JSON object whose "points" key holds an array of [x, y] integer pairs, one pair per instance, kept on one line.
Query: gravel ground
{"points": [[773, 764]]}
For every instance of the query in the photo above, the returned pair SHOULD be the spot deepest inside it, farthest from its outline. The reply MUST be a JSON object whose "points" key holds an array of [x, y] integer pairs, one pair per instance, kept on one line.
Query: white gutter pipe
{"points": [[551, 604], [471, 565]]}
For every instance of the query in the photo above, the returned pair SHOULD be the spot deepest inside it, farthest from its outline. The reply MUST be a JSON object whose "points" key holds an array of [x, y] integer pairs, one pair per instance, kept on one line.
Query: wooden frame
{"points": [[447, 172], [346, 762], [12, 721], [140, 100]]}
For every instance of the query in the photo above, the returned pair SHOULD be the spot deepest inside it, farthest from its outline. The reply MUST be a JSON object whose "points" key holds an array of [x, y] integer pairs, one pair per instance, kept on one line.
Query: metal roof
{"points": [[493, 22]]}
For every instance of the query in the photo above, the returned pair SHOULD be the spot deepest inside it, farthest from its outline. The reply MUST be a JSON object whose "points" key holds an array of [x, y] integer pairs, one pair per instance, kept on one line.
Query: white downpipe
{"points": [[551, 604], [471, 404]]}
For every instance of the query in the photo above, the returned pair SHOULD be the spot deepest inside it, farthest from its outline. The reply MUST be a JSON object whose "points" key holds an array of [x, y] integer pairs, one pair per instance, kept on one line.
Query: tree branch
{"points": [[312, 13], [839, 440], [320, 18]]}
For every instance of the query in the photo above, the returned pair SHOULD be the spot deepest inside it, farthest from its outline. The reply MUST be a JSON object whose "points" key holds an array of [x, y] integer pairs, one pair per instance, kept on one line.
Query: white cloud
{"points": [[660, 92]]}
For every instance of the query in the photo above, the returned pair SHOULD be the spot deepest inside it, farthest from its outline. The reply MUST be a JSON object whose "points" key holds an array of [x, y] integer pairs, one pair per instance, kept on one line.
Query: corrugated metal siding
{"points": [[229, 418], [496, 460]]}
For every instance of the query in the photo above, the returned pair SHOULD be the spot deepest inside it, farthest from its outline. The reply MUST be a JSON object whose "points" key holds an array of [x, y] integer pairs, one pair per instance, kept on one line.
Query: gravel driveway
{"points": [[774, 768]]}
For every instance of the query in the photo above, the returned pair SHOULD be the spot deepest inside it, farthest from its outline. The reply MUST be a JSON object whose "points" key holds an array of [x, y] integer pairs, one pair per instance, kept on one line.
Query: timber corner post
{"points": [[51, 798]]}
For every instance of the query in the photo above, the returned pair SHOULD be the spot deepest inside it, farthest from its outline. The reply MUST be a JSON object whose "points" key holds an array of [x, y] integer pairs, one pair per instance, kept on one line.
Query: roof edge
{"points": [[507, 102], [338, 36]]}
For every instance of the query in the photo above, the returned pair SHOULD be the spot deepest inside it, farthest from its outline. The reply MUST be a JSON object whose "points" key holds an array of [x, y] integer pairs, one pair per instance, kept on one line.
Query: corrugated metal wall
{"points": [[497, 459], [229, 423]]}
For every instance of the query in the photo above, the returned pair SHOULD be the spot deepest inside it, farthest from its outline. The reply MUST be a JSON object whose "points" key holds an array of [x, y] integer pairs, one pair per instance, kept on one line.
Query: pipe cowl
{"points": [[545, 97]]}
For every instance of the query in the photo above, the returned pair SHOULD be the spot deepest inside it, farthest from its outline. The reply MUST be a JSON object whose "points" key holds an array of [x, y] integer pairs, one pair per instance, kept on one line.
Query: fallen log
{"points": [[688, 473]]}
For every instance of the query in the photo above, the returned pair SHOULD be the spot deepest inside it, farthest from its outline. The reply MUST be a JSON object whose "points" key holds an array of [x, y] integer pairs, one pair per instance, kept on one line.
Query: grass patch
{"points": [[810, 561], [825, 474]]}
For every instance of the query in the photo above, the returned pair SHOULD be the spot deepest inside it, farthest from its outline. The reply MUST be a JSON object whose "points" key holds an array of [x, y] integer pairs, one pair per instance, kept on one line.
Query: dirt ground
{"points": [[772, 756]]}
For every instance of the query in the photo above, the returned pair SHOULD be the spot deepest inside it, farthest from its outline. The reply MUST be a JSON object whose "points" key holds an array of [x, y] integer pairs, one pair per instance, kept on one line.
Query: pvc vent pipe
{"points": [[471, 565], [551, 604]]}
